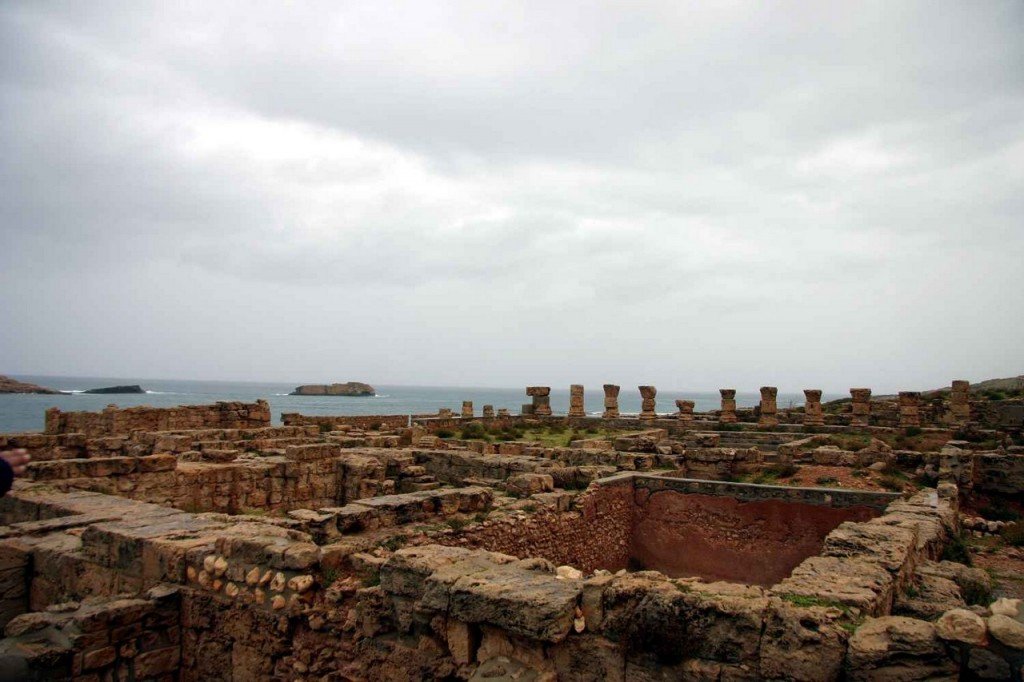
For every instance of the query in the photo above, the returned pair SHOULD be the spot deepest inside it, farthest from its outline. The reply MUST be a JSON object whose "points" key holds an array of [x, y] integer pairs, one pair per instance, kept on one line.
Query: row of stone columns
{"points": [[467, 411], [860, 409]]}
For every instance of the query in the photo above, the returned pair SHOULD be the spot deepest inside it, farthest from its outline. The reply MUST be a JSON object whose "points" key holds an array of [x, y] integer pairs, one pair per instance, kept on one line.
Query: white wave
{"points": [[280, 393], [378, 395], [164, 393], [72, 390]]}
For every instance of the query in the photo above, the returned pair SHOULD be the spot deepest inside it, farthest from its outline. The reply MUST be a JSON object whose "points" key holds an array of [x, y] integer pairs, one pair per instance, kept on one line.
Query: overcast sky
{"points": [[690, 195]]}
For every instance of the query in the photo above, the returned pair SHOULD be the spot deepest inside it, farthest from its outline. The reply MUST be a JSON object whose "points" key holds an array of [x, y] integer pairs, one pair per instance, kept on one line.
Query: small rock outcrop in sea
{"points": [[350, 388], [9, 385], [117, 389]]}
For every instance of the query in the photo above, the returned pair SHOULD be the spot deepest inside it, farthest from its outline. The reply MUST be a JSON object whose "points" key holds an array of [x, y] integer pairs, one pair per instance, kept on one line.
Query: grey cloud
{"points": [[814, 191]]}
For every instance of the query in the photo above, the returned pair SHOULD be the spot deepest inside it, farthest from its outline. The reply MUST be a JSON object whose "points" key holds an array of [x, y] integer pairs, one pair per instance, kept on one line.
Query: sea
{"points": [[20, 412]]}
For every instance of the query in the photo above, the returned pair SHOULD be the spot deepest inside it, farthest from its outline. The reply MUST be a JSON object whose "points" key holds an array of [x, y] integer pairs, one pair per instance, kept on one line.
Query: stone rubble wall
{"points": [[252, 599], [104, 638], [114, 421], [490, 609], [595, 535], [370, 422]]}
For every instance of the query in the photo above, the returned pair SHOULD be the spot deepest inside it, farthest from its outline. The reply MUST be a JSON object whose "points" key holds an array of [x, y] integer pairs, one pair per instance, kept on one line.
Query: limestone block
{"points": [[961, 625], [895, 647]]}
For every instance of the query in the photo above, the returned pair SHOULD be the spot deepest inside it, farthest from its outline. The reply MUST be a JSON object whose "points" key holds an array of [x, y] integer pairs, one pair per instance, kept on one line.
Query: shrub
{"points": [[826, 480], [912, 431], [891, 483], [1013, 534], [475, 431], [324, 427], [997, 510], [957, 550], [444, 433], [457, 524]]}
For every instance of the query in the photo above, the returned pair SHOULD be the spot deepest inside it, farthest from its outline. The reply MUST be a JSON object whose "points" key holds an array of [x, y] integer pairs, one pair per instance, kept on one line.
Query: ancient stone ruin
{"points": [[576, 408], [769, 407], [728, 412], [813, 413], [611, 401], [541, 395], [812, 542], [647, 405]]}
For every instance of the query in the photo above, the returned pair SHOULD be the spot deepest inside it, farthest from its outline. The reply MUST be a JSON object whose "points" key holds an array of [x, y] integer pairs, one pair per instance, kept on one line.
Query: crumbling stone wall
{"points": [[595, 535], [114, 421], [331, 423]]}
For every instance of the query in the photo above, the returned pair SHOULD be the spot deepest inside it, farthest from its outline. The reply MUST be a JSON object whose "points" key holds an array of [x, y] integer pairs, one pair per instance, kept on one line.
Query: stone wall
{"points": [[724, 538], [594, 536], [330, 423], [114, 421]]}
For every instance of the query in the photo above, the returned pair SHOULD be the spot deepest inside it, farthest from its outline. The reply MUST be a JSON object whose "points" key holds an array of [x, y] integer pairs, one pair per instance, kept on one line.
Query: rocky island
{"points": [[350, 388], [9, 385], [116, 389]]}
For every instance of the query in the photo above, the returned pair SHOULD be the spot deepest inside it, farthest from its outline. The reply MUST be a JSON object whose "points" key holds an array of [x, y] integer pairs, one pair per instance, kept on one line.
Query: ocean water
{"points": [[25, 412]]}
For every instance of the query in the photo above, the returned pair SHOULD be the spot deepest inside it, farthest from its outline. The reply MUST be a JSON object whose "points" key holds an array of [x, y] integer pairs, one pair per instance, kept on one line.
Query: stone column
{"points": [[910, 408], [647, 395], [769, 406], [611, 401], [52, 423], [728, 415], [488, 411], [467, 409], [685, 411], [813, 414], [860, 408], [960, 401], [541, 400], [576, 408]]}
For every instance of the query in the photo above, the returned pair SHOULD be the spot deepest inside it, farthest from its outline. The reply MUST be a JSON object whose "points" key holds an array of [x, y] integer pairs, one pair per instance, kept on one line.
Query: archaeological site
{"points": [[872, 538]]}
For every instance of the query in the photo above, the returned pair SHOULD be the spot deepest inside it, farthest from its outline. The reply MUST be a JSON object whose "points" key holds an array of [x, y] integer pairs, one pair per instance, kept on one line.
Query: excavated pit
{"points": [[715, 530]]}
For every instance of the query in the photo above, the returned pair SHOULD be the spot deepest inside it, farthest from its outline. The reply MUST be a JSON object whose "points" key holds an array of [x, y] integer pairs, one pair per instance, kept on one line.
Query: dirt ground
{"points": [[813, 475], [1004, 564]]}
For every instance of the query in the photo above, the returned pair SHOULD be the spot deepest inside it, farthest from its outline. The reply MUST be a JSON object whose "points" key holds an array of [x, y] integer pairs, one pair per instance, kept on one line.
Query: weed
{"points": [[457, 524], [826, 480], [371, 580], [912, 431], [806, 600], [394, 542], [891, 483]]}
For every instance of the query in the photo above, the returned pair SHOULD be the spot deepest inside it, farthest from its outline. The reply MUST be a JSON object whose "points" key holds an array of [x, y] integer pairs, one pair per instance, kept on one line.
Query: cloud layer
{"points": [[799, 194]]}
